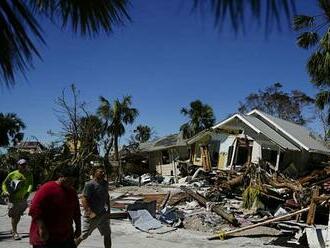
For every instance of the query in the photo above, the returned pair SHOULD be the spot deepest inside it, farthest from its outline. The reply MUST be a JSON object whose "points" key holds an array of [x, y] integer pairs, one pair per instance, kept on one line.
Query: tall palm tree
{"points": [[10, 129], [142, 133], [115, 117], [20, 26], [201, 117], [314, 33]]}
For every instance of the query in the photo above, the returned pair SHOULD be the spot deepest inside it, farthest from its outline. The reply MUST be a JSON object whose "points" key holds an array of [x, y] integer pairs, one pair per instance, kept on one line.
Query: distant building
{"points": [[163, 153], [30, 146]]}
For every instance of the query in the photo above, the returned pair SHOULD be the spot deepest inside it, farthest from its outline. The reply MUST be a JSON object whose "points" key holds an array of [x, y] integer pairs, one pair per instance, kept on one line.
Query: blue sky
{"points": [[165, 58]]}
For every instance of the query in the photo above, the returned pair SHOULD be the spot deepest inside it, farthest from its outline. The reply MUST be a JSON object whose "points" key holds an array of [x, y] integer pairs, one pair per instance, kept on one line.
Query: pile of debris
{"points": [[252, 201]]}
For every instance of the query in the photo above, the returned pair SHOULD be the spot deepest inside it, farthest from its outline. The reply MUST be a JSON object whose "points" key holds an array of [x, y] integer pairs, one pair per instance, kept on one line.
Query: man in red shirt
{"points": [[54, 208]]}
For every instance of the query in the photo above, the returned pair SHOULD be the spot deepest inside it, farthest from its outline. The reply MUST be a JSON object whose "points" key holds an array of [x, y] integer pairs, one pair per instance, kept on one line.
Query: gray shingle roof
{"points": [[270, 133], [173, 140], [301, 134]]}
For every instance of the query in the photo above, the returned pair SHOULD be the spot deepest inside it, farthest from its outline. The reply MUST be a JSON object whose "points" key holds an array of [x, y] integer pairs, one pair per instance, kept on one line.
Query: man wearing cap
{"points": [[54, 208], [17, 187]]}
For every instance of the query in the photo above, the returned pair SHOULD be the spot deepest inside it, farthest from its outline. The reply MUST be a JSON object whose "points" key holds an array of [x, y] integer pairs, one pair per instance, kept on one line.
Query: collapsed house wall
{"points": [[225, 150], [162, 161]]}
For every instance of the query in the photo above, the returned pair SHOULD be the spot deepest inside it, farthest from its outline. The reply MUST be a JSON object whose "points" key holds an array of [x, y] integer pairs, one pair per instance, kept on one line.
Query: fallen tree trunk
{"points": [[284, 184], [216, 208], [271, 220]]}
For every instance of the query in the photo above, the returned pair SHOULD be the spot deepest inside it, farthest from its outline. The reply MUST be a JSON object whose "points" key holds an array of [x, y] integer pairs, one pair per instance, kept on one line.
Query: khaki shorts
{"points": [[17, 209], [101, 222]]}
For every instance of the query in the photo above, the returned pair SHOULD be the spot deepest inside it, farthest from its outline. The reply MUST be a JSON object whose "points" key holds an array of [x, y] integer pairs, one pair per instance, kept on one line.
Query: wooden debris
{"points": [[177, 198], [312, 207], [216, 208], [166, 198], [271, 220], [206, 159]]}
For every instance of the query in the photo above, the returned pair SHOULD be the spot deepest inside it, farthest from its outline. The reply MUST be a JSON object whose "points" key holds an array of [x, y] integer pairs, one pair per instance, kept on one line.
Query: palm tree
{"points": [[10, 129], [20, 28], [201, 117], [142, 133], [115, 116], [315, 34]]}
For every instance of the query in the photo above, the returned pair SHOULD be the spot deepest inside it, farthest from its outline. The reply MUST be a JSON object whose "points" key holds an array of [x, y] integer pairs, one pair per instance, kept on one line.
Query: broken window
{"points": [[165, 157], [269, 156], [243, 155], [230, 154], [197, 153]]}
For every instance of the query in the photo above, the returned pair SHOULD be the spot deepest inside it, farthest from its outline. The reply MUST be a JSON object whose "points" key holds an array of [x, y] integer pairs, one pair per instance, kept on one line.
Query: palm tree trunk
{"points": [[120, 170], [116, 148], [107, 164]]}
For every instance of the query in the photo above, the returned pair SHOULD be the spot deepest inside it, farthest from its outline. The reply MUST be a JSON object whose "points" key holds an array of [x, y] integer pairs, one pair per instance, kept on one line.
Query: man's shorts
{"points": [[17, 209], [101, 222]]}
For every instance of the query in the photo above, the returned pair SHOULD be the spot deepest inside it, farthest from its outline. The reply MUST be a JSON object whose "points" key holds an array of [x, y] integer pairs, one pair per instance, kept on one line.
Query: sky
{"points": [[166, 57]]}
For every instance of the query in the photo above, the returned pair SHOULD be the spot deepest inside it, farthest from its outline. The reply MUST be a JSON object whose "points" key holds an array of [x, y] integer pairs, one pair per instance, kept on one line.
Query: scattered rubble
{"points": [[253, 201]]}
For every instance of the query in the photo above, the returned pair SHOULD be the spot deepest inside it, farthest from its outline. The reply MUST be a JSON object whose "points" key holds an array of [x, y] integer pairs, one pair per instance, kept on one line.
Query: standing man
{"points": [[96, 204], [54, 208], [17, 186]]}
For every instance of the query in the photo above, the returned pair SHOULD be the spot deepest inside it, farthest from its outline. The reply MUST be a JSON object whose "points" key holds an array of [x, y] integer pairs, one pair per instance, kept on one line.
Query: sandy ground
{"points": [[124, 235]]}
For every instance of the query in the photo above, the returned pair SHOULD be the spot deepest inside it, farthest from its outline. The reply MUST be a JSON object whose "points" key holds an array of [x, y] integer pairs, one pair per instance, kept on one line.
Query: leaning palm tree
{"points": [[314, 33], [115, 116], [200, 116], [10, 129], [20, 26]]}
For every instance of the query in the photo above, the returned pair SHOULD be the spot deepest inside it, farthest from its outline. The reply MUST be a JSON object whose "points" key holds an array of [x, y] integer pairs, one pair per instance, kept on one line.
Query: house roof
{"points": [[261, 128], [30, 145], [199, 136], [170, 141], [297, 133]]}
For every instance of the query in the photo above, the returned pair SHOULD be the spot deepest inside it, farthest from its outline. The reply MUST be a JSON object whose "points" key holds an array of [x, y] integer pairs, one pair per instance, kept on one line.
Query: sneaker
{"points": [[16, 236]]}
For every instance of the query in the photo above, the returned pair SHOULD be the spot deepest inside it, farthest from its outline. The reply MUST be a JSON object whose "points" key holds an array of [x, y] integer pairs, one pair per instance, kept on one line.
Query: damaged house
{"points": [[239, 139], [163, 153], [257, 136]]}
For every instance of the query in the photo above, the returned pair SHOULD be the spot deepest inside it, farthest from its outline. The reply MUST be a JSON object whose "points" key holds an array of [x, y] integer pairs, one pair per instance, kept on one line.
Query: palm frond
{"points": [[325, 41], [302, 21], [318, 69], [104, 112], [10, 129], [307, 39], [85, 17], [322, 99], [325, 7], [237, 10], [19, 30]]}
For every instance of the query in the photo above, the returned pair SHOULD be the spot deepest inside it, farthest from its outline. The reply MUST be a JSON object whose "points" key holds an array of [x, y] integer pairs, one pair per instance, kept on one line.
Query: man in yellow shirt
{"points": [[17, 187]]}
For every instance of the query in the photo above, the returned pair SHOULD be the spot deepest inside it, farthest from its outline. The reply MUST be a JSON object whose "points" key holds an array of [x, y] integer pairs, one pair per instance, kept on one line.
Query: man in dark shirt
{"points": [[54, 208], [95, 198]]}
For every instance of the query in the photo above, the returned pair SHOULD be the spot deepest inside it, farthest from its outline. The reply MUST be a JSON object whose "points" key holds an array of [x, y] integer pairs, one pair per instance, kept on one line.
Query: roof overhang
{"points": [[238, 116], [255, 111]]}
